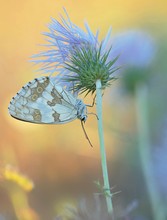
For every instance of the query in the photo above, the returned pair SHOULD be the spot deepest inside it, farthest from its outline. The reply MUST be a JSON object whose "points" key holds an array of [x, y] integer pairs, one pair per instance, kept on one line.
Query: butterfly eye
{"points": [[84, 118]]}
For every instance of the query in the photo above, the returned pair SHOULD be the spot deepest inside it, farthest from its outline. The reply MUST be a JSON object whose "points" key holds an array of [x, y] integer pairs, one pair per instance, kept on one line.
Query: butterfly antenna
{"points": [[86, 133]]}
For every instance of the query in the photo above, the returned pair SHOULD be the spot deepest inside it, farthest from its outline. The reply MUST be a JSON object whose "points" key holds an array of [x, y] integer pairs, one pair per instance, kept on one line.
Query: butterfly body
{"points": [[43, 102]]}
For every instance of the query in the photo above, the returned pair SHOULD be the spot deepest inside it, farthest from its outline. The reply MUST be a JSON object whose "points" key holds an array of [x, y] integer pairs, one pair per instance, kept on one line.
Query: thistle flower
{"points": [[83, 64], [77, 56]]}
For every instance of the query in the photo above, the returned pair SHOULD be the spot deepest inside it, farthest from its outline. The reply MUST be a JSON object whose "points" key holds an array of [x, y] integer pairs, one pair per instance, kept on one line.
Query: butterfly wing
{"points": [[40, 101]]}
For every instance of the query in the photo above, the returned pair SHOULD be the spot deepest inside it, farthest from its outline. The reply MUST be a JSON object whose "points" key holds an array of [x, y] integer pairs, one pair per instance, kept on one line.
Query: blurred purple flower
{"points": [[136, 48]]}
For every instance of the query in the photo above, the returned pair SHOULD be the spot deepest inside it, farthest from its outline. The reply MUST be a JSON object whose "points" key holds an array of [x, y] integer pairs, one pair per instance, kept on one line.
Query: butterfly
{"points": [[41, 101]]}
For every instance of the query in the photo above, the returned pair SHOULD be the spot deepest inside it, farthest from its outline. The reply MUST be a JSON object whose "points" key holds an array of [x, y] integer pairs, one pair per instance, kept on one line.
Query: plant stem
{"points": [[141, 97], [102, 148]]}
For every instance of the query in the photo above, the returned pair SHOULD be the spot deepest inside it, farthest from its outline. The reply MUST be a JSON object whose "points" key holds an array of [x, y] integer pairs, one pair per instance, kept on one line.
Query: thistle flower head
{"points": [[77, 56], [88, 64]]}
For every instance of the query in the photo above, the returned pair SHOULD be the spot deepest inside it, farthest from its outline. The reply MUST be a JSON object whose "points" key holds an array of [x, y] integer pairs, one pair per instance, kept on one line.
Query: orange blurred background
{"points": [[58, 158]]}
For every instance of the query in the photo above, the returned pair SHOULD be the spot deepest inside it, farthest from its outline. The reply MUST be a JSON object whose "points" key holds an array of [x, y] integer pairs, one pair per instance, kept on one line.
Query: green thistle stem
{"points": [[141, 97], [102, 148]]}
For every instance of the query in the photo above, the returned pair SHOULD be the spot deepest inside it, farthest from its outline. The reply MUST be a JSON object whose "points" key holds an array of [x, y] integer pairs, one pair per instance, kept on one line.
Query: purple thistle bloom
{"points": [[65, 40]]}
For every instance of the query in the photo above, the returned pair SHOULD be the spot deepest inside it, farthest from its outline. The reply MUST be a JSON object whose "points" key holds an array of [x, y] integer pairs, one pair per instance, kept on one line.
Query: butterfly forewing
{"points": [[41, 101]]}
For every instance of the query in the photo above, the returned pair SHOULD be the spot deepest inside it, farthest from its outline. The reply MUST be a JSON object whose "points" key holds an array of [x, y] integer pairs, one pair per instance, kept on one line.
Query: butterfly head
{"points": [[81, 110]]}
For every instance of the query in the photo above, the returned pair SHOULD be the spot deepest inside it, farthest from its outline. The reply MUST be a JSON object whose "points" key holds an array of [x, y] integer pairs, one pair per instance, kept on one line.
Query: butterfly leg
{"points": [[93, 103], [92, 113]]}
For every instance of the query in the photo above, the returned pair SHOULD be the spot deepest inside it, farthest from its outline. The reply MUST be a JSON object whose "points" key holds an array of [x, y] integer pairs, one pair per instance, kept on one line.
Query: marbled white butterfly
{"points": [[41, 101]]}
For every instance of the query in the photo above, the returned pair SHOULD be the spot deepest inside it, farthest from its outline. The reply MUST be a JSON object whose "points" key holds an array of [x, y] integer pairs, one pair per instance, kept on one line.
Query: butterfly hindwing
{"points": [[40, 101]]}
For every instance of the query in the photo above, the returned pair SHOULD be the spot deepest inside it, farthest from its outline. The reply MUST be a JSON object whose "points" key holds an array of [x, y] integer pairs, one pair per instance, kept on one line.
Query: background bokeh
{"points": [[58, 158]]}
